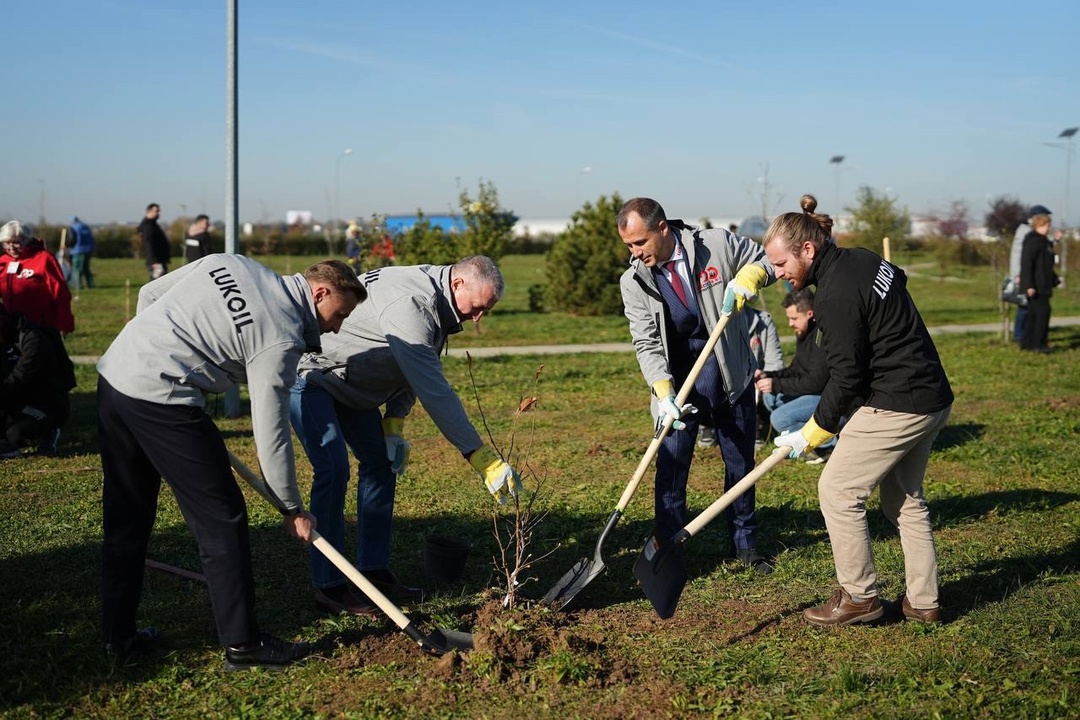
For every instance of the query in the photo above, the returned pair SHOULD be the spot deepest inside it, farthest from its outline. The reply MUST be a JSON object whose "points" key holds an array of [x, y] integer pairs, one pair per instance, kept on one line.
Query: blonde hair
{"points": [[1038, 221], [796, 228]]}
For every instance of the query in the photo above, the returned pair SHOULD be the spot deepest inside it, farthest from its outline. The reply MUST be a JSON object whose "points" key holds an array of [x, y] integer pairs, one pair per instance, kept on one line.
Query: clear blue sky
{"points": [[111, 104]]}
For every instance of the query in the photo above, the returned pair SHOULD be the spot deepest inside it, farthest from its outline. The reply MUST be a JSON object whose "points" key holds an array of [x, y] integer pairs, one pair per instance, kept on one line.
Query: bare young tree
{"points": [[514, 530]]}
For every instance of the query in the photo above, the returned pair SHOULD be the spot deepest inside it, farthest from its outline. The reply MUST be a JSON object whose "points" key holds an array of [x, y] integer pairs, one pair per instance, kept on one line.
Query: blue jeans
{"points": [[791, 413], [1018, 326], [328, 430]]}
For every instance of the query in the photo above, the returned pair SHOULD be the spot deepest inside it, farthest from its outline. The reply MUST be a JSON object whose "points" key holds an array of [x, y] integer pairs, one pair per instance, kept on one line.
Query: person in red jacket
{"points": [[31, 281]]}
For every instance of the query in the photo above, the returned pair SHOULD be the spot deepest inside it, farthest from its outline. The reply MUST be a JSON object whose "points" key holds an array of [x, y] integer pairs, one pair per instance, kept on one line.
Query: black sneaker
{"points": [[142, 641], [268, 653], [50, 444], [342, 599], [751, 558], [8, 451], [389, 585]]}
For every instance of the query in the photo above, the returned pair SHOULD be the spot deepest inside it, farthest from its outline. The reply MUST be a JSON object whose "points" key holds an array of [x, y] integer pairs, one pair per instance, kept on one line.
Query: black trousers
{"points": [[1036, 323], [141, 443]]}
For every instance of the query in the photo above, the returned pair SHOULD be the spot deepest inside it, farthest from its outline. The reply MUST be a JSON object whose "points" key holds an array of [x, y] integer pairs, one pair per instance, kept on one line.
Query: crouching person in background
{"points": [[36, 376]]}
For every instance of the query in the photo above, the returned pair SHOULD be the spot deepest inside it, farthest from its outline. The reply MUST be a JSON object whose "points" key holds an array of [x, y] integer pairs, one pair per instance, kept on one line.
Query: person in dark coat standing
{"points": [[1038, 280], [197, 242], [155, 242]]}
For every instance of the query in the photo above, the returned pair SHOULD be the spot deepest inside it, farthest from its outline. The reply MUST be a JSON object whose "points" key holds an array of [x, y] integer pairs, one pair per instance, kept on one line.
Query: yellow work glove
{"points": [[665, 396], [809, 437], [397, 447], [745, 286], [500, 479]]}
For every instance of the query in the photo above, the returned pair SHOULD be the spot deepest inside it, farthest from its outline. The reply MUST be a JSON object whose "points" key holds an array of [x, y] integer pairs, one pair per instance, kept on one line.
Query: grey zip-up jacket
{"points": [[213, 323], [764, 340], [715, 255], [387, 352]]}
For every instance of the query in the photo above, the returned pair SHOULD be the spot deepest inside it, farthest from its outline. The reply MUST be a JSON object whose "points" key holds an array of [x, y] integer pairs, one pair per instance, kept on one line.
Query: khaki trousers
{"points": [[890, 449]]}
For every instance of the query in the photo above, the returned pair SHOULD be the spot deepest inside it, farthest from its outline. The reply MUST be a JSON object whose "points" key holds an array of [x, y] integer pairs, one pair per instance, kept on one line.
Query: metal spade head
{"points": [[439, 642], [581, 574], [661, 571]]}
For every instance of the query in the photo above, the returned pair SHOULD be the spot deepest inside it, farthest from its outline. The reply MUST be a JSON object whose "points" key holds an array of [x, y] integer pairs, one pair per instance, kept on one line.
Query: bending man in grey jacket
{"points": [[213, 323], [356, 394], [681, 280]]}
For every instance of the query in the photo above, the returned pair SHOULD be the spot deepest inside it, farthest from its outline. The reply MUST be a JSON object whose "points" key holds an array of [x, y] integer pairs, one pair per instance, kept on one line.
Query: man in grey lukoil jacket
{"points": [[716, 272], [387, 356], [214, 323]]}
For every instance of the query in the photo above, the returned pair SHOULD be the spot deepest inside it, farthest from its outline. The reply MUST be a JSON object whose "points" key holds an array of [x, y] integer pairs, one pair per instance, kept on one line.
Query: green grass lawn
{"points": [[1003, 492]]}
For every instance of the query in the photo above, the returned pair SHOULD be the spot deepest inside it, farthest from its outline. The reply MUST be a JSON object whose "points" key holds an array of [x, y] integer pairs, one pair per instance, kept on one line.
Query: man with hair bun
{"points": [[877, 348]]}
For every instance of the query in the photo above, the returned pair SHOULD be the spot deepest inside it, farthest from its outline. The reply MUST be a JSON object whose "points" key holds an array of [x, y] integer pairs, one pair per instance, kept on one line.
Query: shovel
{"points": [[438, 643], [586, 569], [661, 569]]}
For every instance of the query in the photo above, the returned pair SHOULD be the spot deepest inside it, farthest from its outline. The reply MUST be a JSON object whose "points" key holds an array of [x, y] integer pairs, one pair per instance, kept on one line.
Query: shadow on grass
{"points": [[51, 654], [992, 581], [957, 435]]}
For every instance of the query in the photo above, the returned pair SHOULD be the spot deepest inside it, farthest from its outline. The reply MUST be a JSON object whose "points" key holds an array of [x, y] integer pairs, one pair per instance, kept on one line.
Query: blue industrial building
{"points": [[396, 224]]}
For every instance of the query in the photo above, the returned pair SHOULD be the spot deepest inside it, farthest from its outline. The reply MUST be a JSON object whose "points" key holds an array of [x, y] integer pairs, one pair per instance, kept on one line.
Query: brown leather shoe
{"points": [[841, 610], [927, 615]]}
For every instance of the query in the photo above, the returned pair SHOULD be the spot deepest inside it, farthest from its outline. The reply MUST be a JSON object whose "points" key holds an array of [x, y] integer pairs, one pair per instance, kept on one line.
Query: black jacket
{"points": [[876, 344], [1037, 265], [155, 243], [201, 247], [809, 370], [35, 368]]}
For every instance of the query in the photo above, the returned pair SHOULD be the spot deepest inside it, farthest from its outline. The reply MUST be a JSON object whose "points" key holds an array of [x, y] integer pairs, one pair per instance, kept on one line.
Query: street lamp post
{"points": [[337, 186], [1069, 146], [836, 160]]}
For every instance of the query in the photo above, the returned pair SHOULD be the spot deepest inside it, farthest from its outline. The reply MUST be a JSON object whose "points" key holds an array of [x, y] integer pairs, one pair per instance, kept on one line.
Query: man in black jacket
{"points": [[877, 348], [36, 376], [155, 242], [1037, 282], [791, 394]]}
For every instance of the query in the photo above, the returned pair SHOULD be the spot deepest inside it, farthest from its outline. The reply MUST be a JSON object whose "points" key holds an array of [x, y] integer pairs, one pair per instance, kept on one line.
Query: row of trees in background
{"points": [[584, 262]]}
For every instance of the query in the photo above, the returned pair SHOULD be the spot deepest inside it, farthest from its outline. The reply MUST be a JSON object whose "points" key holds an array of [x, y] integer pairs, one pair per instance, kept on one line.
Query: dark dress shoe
{"points": [[268, 653], [143, 640], [751, 558], [342, 599], [389, 585], [841, 610]]}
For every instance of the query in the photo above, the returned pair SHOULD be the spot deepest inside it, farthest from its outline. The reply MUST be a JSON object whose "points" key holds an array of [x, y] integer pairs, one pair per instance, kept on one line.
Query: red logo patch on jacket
{"points": [[708, 277]]}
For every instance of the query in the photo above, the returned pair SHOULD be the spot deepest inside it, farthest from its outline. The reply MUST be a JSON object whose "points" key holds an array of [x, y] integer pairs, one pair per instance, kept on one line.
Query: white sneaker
{"points": [[812, 458]]}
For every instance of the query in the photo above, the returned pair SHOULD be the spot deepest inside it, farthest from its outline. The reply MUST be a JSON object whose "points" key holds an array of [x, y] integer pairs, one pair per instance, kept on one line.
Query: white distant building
{"points": [[535, 228]]}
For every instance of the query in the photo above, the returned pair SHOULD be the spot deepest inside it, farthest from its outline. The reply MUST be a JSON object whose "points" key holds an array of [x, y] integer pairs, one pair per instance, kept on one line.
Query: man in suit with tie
{"points": [[681, 280]]}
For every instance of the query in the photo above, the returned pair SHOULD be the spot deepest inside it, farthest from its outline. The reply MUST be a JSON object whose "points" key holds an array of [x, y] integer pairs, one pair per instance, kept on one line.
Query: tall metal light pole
{"points": [[232, 183], [337, 186], [1069, 146], [836, 160]]}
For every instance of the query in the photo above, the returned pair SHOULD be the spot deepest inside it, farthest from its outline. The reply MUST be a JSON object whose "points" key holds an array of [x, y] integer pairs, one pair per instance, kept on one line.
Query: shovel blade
{"points": [[661, 571], [439, 642], [453, 639], [581, 574]]}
